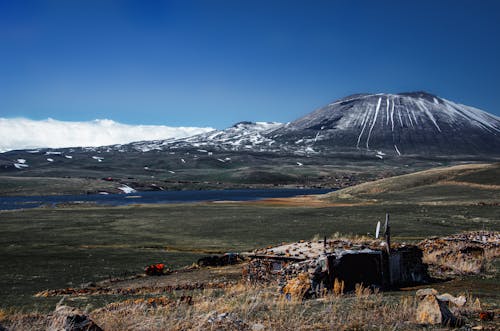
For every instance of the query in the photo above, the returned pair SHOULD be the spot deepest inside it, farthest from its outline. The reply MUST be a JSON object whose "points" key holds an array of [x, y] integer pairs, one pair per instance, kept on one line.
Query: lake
{"points": [[161, 197]]}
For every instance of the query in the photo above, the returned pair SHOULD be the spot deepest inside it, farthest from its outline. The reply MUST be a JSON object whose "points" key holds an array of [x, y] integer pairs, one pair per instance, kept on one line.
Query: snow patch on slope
{"points": [[127, 189]]}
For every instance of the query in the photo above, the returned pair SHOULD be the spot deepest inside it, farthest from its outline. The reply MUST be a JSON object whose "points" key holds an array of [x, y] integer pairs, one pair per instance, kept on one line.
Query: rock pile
{"points": [[460, 254]]}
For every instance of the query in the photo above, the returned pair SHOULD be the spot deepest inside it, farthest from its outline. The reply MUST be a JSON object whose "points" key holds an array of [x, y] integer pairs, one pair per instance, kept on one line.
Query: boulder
{"points": [[432, 311], [66, 318], [80, 323], [457, 301], [428, 311]]}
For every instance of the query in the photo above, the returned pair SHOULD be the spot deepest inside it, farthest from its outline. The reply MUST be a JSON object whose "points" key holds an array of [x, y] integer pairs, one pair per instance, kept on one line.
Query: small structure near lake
{"points": [[350, 261]]}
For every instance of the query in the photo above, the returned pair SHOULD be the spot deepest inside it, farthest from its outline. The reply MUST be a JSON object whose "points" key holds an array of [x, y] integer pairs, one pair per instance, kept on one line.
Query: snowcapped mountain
{"points": [[373, 125], [416, 123], [406, 123]]}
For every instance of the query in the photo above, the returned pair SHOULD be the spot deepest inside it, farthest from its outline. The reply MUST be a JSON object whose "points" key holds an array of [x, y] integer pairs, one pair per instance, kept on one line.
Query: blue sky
{"points": [[214, 63]]}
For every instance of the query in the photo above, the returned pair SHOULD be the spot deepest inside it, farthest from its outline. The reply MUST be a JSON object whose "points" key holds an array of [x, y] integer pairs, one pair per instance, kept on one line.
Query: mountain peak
{"points": [[405, 123], [242, 123], [421, 95]]}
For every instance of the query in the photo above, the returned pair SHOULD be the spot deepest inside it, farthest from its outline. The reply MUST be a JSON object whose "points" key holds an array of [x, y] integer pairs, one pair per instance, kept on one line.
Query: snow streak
{"points": [[409, 117], [374, 121], [397, 150], [414, 117], [387, 111], [368, 110], [392, 116]]}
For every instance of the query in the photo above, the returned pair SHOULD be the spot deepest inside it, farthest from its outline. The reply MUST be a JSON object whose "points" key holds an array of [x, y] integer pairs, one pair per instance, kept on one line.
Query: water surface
{"points": [[21, 202]]}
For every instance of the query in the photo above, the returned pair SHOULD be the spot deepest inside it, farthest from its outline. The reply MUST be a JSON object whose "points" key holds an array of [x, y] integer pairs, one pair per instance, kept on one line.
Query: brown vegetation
{"points": [[245, 306]]}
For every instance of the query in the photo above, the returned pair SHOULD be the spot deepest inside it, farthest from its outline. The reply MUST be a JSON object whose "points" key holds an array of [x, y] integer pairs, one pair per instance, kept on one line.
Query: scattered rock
{"points": [[225, 321], [258, 327]]}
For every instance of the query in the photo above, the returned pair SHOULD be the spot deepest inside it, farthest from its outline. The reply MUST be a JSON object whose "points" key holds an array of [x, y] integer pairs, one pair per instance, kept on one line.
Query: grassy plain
{"points": [[64, 247]]}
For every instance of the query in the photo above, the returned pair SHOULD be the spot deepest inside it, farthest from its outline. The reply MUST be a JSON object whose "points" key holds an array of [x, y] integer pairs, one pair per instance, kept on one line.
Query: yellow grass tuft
{"points": [[338, 287]]}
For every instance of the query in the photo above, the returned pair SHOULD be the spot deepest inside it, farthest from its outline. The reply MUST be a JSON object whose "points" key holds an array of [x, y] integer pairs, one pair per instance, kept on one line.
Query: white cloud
{"points": [[22, 133]]}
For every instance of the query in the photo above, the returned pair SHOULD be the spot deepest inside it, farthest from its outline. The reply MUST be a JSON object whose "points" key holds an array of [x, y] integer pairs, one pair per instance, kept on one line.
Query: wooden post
{"points": [[387, 233]]}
